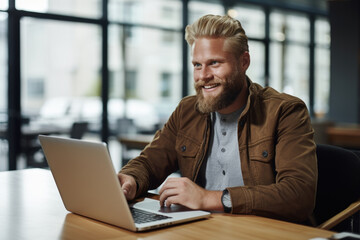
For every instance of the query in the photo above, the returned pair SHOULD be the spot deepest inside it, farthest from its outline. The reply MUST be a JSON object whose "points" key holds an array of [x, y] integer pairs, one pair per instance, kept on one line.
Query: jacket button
{"points": [[183, 148], [265, 154]]}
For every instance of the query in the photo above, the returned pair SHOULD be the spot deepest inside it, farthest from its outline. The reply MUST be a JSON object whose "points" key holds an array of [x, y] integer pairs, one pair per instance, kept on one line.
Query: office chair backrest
{"points": [[338, 181], [78, 129]]}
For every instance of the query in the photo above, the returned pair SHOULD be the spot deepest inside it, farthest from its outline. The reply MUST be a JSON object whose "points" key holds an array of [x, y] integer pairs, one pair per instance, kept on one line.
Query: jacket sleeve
{"points": [[291, 196], [157, 160]]}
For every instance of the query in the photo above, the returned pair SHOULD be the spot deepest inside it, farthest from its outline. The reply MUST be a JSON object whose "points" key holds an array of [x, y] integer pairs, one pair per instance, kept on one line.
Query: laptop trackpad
{"points": [[154, 205]]}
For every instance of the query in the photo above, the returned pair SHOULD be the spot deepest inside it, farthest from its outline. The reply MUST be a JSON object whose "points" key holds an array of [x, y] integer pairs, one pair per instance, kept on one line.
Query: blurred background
{"points": [[104, 70]]}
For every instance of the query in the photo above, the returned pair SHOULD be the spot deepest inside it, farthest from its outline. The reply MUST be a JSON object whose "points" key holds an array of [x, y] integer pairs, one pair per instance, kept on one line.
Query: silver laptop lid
{"points": [[80, 169], [89, 186]]}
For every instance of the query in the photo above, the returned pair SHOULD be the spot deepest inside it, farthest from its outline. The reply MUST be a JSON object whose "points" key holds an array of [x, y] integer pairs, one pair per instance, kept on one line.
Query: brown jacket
{"points": [[277, 152]]}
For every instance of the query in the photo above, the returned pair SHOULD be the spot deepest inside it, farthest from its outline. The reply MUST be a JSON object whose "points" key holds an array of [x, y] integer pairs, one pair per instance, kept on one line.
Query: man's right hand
{"points": [[128, 185]]}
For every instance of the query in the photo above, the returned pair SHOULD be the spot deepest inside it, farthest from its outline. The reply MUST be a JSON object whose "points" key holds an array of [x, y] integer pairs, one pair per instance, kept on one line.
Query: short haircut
{"points": [[215, 26]]}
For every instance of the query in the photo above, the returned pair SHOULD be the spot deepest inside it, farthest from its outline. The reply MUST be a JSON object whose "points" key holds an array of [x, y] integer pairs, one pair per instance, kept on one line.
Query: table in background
{"points": [[29, 144], [133, 141], [344, 136], [31, 208]]}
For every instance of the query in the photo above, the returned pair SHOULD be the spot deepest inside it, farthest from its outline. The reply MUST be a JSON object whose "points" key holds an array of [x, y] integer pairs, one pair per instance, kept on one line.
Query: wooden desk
{"points": [[348, 137], [138, 141], [32, 131], [29, 144], [31, 208]]}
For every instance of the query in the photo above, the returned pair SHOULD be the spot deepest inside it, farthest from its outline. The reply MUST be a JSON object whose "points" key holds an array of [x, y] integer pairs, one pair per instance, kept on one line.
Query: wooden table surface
{"points": [[31, 208]]}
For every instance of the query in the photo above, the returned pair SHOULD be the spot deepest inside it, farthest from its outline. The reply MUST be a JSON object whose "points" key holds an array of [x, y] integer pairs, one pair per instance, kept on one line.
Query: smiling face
{"points": [[219, 76]]}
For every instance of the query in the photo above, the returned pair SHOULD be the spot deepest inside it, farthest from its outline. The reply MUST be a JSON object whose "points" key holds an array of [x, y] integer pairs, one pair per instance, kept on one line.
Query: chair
{"points": [[78, 129], [338, 194], [34, 154]]}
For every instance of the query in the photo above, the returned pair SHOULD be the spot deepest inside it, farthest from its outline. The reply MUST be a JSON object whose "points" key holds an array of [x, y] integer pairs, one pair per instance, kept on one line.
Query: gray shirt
{"points": [[222, 167]]}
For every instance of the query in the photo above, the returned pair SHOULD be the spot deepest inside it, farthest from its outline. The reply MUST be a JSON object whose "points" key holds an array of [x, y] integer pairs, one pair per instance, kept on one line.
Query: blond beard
{"points": [[232, 87]]}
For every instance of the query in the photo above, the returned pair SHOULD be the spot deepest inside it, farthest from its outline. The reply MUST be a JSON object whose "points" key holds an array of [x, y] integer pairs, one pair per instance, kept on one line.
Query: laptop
{"points": [[88, 184]]}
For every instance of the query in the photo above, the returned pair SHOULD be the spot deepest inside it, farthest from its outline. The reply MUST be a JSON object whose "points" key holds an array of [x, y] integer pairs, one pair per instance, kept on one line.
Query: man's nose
{"points": [[205, 74]]}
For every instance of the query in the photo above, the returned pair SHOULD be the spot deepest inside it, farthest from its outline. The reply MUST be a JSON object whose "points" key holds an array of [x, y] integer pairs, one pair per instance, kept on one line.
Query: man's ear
{"points": [[245, 60]]}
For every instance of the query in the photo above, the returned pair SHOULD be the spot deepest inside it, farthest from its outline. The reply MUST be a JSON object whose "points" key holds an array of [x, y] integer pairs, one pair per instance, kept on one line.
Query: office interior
{"points": [[119, 67]]}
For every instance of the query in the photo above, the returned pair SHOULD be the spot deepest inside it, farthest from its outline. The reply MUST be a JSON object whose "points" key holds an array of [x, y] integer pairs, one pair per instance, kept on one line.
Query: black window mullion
{"points": [[105, 72], [185, 72], [14, 101]]}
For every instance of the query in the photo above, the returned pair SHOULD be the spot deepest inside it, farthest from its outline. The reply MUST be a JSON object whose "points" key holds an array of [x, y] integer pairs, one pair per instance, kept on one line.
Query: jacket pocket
{"points": [[262, 151], [187, 150], [262, 162], [186, 147]]}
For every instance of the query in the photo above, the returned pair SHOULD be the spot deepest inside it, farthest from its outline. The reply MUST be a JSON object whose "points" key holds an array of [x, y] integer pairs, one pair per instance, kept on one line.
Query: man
{"points": [[240, 148]]}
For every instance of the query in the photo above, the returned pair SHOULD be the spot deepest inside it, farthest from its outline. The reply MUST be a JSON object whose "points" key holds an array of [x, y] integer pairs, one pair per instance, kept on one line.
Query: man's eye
{"points": [[214, 62], [197, 65]]}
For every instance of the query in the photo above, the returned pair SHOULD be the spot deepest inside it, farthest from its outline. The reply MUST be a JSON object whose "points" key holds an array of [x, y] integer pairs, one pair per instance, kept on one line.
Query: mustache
{"points": [[201, 83]]}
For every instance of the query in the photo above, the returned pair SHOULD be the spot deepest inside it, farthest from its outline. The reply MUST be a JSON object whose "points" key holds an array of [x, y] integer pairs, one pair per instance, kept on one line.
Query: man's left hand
{"points": [[185, 192]]}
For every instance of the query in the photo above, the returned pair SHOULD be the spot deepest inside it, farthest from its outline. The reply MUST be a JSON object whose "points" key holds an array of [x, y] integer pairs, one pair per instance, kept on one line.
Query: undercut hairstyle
{"points": [[216, 26]]}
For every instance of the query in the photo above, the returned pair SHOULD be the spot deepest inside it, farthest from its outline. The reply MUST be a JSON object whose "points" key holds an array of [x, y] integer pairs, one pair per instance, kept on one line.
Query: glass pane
{"points": [[252, 19], [4, 4], [60, 77], [164, 13], [83, 8], [147, 78], [322, 82], [3, 91], [322, 31], [276, 67], [322, 67], [3, 66], [256, 69], [293, 27], [198, 9], [290, 74]]}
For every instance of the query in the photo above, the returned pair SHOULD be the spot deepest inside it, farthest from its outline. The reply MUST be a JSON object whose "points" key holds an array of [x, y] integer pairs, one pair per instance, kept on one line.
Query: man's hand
{"points": [[185, 192], [128, 185]]}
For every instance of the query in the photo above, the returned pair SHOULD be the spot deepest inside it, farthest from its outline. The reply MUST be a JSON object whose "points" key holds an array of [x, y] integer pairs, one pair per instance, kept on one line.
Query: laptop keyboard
{"points": [[141, 216]]}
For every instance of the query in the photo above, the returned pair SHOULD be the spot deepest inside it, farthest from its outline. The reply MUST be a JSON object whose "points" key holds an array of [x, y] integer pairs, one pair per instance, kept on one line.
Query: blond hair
{"points": [[215, 26]]}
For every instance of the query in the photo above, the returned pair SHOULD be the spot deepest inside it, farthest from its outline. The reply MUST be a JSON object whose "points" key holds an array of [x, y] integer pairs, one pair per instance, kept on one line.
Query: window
{"points": [[3, 85], [168, 37], [252, 20], [147, 58], [164, 13], [289, 54], [3, 65], [35, 88], [60, 71], [130, 83], [165, 87], [322, 67], [4, 4], [83, 8], [199, 8], [290, 27]]}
